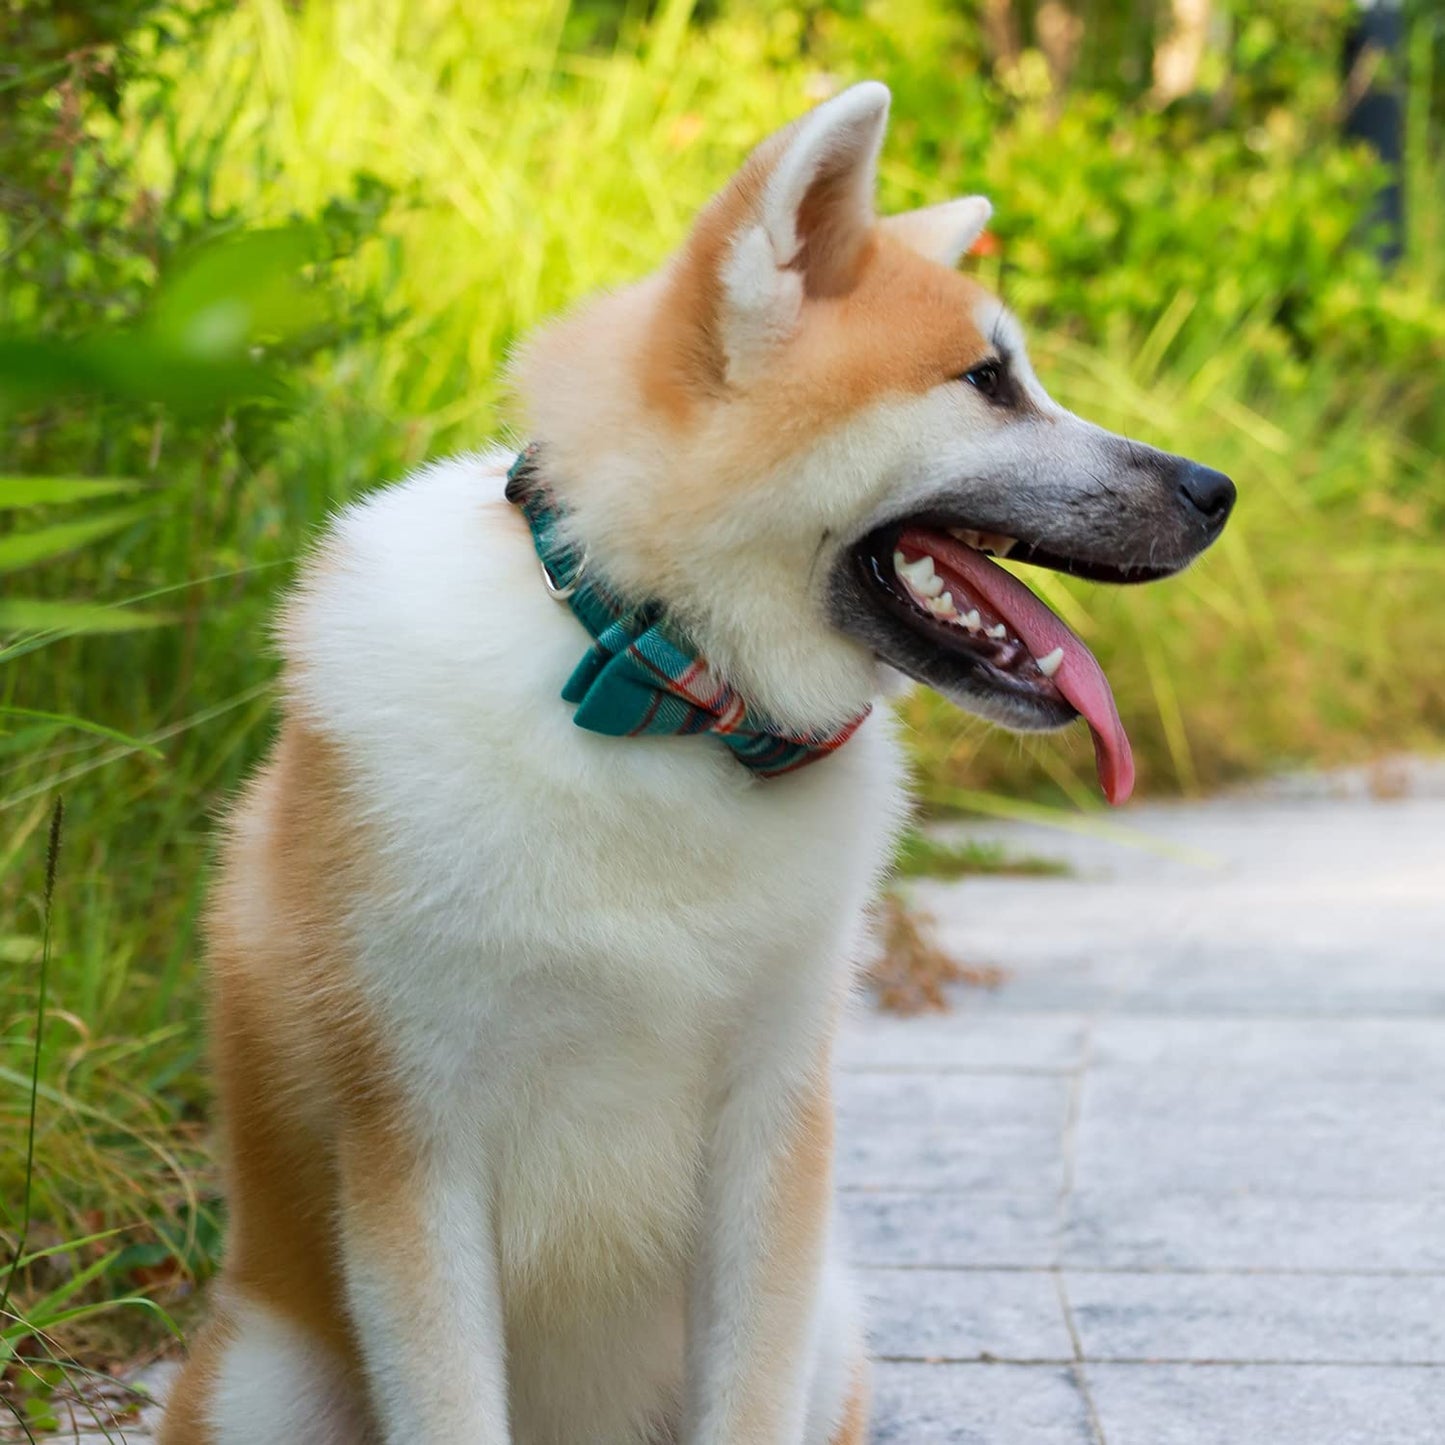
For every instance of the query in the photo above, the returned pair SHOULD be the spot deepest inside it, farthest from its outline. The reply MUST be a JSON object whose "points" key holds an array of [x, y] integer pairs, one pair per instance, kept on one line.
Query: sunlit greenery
{"points": [[260, 257]]}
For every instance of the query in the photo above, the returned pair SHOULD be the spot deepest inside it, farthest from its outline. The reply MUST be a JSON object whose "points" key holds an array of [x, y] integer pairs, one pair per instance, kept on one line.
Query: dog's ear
{"points": [[944, 232], [809, 221]]}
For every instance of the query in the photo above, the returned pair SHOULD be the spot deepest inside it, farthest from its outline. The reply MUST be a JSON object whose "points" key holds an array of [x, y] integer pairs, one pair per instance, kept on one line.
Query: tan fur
{"points": [[187, 1405], [832, 254], [906, 327], [853, 1428], [298, 1065], [903, 325]]}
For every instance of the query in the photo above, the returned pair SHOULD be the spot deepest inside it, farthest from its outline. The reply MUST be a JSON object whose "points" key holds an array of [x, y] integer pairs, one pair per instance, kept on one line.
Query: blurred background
{"points": [[261, 256]]}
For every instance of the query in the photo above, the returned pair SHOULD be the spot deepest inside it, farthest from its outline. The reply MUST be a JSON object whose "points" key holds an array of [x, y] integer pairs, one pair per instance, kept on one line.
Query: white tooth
{"points": [[1049, 665], [919, 573], [921, 577], [998, 630], [972, 620], [943, 606], [922, 581]]}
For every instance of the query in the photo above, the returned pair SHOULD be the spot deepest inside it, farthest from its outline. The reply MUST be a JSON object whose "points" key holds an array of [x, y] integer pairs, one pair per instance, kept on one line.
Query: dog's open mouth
{"points": [[940, 582]]}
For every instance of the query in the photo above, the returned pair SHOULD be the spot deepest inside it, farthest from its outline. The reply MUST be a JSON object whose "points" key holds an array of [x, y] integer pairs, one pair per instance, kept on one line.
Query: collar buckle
{"points": [[557, 591]]}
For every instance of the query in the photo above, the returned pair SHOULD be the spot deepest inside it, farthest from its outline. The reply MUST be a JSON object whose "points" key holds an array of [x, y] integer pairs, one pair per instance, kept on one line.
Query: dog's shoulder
{"points": [[420, 612]]}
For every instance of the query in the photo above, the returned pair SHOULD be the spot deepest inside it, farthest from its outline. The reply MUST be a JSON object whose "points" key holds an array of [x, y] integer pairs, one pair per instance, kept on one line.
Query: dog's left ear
{"points": [[942, 233], [808, 224]]}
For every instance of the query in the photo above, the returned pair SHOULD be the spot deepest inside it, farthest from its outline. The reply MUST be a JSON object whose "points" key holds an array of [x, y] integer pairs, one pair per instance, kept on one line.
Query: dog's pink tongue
{"points": [[1079, 678]]}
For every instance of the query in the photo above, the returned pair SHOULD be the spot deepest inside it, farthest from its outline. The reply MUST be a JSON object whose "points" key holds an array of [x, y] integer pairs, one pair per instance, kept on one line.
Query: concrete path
{"points": [[1181, 1179]]}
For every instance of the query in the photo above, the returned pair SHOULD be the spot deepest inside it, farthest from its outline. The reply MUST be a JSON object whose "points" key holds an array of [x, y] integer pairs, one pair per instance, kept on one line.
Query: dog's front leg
{"points": [[421, 1278], [752, 1308]]}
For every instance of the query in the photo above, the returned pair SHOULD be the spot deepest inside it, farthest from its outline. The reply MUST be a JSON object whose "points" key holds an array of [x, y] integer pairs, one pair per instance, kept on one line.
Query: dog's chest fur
{"points": [[574, 939]]}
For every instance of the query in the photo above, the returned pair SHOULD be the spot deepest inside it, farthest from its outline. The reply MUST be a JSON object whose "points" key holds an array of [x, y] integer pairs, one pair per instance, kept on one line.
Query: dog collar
{"points": [[640, 677]]}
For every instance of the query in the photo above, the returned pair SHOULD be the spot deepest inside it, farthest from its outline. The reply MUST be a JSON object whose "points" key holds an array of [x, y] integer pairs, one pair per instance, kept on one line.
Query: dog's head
{"points": [[808, 432]]}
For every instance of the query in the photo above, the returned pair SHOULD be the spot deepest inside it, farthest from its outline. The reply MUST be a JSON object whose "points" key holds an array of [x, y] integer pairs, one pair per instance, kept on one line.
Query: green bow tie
{"points": [[639, 677]]}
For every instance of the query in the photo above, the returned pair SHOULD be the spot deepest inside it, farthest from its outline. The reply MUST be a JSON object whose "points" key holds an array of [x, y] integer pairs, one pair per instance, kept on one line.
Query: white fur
{"points": [[585, 943], [839, 1343], [276, 1384], [433, 1338], [765, 301]]}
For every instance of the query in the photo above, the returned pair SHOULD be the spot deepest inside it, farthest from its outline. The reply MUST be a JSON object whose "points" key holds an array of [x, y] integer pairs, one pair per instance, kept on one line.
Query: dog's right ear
{"points": [[944, 232], [808, 194]]}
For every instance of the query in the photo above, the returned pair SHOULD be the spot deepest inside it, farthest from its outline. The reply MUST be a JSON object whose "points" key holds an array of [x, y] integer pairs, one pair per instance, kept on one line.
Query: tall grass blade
{"points": [[52, 861], [25, 549], [100, 730], [74, 619], [1014, 810], [48, 491]]}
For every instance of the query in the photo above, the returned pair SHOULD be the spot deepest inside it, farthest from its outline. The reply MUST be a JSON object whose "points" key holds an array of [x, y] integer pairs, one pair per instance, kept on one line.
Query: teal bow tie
{"points": [[639, 677]]}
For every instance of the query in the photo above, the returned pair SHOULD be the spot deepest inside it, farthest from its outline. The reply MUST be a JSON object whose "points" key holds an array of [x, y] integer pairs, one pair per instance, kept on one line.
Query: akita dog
{"points": [[531, 938]]}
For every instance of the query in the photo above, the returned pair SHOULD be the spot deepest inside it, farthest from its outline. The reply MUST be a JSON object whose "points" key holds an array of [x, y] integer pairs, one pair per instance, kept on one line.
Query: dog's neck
{"points": [[642, 676]]}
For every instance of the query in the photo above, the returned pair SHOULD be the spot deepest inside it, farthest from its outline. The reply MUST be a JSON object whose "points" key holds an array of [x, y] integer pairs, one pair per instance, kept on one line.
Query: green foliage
{"points": [[1109, 212], [203, 343], [921, 855], [260, 258]]}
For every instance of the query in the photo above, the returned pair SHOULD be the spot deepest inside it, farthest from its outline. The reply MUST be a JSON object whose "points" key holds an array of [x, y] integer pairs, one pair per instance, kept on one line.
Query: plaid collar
{"points": [[640, 677]]}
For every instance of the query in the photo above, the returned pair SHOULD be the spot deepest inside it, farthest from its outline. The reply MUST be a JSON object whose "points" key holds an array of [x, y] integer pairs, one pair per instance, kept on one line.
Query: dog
{"points": [[530, 940]]}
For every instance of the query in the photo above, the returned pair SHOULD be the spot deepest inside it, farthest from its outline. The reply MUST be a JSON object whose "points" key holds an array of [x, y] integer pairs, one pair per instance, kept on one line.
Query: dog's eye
{"points": [[987, 377]]}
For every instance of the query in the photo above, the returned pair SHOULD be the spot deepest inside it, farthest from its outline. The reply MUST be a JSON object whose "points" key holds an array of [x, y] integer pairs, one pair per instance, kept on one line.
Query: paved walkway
{"points": [[1181, 1180]]}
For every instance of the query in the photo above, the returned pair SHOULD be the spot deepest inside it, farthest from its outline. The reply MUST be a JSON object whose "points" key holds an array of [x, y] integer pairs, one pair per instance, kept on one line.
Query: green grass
{"points": [[528, 162], [923, 856]]}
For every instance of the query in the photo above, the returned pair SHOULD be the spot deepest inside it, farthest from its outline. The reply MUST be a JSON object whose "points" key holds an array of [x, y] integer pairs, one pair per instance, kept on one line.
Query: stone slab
{"points": [[1404, 980], [1379, 1159], [1265, 1405], [969, 1102], [1126, 1228], [932, 1314], [1411, 1050], [891, 1228], [928, 1157], [978, 1405], [1264, 1106], [1289, 1318], [970, 1039]]}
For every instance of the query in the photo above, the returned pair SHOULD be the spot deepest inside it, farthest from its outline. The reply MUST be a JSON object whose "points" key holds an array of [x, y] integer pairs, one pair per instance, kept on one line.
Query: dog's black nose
{"points": [[1210, 493]]}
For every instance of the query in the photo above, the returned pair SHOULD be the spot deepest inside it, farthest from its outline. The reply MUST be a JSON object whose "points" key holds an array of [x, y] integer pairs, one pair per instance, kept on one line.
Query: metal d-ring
{"points": [[561, 594]]}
